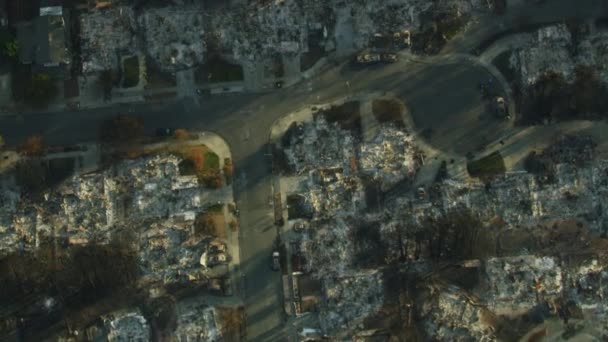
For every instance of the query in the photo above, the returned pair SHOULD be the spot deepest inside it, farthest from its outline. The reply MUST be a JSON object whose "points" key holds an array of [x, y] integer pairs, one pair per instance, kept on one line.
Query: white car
{"points": [[276, 265], [216, 259]]}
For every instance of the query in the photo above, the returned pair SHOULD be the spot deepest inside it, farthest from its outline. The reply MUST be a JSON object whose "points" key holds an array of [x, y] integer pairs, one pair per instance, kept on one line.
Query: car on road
{"points": [[276, 264], [165, 132], [299, 226], [389, 57]]}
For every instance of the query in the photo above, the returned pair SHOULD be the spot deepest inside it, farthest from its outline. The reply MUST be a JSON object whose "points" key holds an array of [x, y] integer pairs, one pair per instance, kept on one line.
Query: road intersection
{"points": [[244, 122]]}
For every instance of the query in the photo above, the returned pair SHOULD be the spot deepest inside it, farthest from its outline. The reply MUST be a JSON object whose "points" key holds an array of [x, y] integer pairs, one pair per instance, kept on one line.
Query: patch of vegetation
{"points": [[212, 161], [488, 166], [33, 147], [218, 70], [9, 46], [389, 111], [181, 134], [200, 161], [130, 68], [347, 116]]}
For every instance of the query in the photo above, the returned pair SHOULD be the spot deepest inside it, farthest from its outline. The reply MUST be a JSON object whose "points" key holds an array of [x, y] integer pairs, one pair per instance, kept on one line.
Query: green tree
{"points": [[41, 90], [11, 48]]}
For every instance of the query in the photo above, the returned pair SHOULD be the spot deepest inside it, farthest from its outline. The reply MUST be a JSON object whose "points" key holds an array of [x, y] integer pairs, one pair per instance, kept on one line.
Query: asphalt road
{"points": [[244, 120]]}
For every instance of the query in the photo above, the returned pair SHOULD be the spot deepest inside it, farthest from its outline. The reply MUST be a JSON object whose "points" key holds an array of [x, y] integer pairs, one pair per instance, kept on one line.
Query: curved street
{"points": [[439, 90]]}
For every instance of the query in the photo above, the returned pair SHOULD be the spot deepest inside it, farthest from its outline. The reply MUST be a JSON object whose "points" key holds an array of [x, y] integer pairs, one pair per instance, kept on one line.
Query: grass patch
{"points": [[200, 161], [388, 111], [130, 68], [488, 166], [347, 116], [212, 161], [156, 78], [217, 70]]}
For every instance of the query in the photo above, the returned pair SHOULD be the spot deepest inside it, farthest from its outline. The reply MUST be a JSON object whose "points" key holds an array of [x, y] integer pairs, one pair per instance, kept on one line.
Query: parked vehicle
{"points": [[216, 259], [276, 264], [165, 132], [299, 226], [217, 247]]}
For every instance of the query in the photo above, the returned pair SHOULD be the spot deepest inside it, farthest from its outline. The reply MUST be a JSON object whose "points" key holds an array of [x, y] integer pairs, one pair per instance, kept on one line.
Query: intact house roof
{"points": [[44, 40]]}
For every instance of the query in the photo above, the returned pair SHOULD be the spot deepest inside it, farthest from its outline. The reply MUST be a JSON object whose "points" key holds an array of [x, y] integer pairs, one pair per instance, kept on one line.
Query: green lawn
{"points": [[488, 166], [212, 161]]}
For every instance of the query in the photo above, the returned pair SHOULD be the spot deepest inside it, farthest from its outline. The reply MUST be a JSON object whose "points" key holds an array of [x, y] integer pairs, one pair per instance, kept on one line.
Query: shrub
{"points": [[228, 170], [488, 166], [181, 134], [33, 147]]}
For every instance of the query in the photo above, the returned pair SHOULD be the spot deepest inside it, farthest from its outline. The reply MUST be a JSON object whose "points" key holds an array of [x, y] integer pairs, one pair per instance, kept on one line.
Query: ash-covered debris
{"points": [[319, 145], [105, 35], [126, 326], [555, 49], [450, 313], [147, 197], [196, 321], [389, 157], [174, 37], [517, 282], [349, 299]]}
